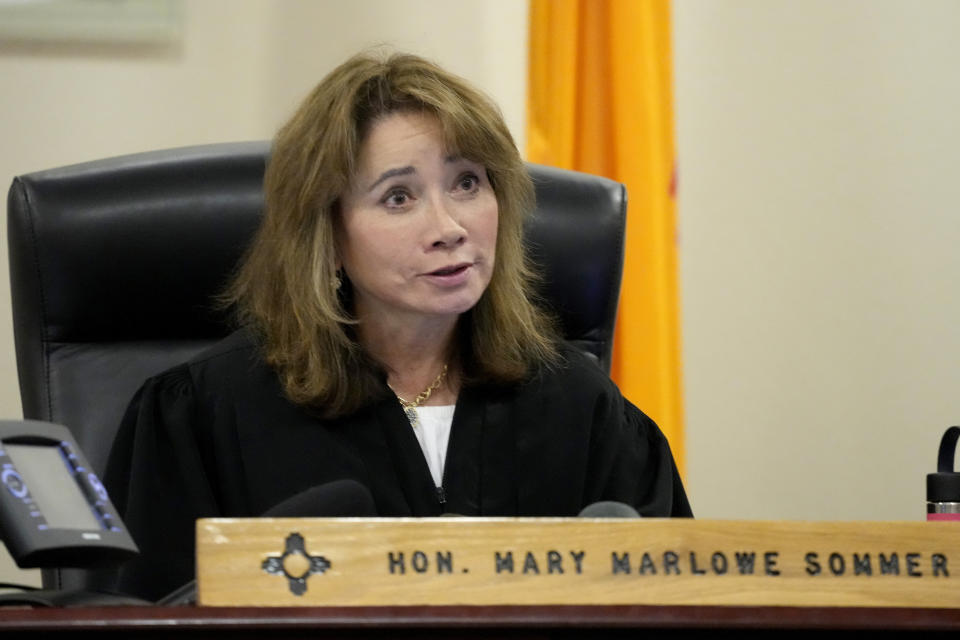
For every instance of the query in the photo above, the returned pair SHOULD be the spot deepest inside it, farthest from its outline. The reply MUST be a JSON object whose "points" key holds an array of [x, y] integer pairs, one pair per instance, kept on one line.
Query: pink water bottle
{"points": [[943, 487]]}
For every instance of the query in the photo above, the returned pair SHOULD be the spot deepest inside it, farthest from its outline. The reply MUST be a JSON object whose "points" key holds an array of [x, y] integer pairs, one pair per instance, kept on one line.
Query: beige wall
{"points": [[239, 71], [819, 144], [818, 206]]}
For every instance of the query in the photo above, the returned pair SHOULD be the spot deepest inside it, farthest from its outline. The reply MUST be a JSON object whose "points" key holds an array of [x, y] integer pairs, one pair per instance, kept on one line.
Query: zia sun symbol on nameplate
{"points": [[295, 564]]}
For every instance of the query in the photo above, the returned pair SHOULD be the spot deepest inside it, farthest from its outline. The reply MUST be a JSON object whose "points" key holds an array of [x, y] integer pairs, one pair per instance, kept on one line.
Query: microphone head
{"points": [[338, 499], [608, 509]]}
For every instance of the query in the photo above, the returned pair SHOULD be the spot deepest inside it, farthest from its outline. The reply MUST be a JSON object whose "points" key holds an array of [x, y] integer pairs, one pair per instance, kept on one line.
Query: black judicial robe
{"points": [[215, 437]]}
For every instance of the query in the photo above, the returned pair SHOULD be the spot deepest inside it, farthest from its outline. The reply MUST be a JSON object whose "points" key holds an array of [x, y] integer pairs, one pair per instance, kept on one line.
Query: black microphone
{"points": [[608, 509], [338, 499]]}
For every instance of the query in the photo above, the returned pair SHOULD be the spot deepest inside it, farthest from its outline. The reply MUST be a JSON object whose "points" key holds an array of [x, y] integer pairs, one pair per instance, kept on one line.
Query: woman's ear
{"points": [[337, 232]]}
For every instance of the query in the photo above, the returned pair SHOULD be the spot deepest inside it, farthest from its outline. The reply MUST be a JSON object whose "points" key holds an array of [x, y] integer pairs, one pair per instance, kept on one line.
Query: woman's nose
{"points": [[446, 230]]}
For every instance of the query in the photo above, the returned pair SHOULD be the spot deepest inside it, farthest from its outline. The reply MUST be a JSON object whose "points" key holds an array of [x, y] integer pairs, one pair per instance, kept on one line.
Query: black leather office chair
{"points": [[113, 265]]}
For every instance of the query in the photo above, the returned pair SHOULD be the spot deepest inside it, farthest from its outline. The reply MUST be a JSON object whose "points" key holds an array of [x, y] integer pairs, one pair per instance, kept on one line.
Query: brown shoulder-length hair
{"points": [[283, 287]]}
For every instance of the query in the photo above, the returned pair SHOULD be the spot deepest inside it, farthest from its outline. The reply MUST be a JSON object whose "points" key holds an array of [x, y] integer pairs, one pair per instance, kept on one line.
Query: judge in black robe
{"points": [[216, 437], [389, 266]]}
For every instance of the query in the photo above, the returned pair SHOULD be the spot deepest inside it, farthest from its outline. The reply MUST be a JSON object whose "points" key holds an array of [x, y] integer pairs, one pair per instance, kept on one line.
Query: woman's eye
{"points": [[468, 182], [396, 198]]}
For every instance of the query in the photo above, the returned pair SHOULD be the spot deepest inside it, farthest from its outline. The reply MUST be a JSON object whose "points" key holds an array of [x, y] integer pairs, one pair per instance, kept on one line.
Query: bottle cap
{"points": [[944, 486]]}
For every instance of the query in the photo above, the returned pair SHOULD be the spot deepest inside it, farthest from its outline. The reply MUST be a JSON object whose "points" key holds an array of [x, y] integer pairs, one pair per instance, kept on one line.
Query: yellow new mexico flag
{"points": [[601, 101]]}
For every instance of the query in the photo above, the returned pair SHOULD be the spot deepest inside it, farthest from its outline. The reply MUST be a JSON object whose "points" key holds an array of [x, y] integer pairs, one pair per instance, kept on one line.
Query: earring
{"points": [[337, 281]]}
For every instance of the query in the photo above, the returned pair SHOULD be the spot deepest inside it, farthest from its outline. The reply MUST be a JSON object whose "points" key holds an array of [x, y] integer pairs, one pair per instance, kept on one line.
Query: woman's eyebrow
{"points": [[390, 173], [409, 169]]}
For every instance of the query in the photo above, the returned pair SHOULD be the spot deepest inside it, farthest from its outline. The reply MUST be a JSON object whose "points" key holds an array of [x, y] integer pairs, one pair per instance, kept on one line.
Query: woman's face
{"points": [[418, 229]]}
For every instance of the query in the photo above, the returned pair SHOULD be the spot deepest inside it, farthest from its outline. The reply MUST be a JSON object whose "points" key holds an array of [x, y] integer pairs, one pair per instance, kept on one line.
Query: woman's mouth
{"points": [[451, 275], [451, 270]]}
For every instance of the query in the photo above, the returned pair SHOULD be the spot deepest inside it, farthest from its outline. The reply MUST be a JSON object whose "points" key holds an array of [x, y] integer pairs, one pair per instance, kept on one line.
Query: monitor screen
{"points": [[52, 486]]}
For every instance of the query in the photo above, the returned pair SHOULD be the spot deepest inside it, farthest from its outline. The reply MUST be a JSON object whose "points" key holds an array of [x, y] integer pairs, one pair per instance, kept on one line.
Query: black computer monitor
{"points": [[54, 511]]}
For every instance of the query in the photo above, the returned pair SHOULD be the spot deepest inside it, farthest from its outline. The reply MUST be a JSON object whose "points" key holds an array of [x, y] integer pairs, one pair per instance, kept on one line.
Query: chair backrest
{"points": [[114, 265]]}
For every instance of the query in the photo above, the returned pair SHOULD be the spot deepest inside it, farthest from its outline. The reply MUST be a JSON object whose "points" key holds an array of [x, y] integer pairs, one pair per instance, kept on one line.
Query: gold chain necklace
{"points": [[410, 406]]}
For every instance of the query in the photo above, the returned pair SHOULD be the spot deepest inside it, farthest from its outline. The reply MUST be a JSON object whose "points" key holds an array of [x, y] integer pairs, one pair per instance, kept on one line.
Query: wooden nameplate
{"points": [[497, 561]]}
